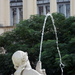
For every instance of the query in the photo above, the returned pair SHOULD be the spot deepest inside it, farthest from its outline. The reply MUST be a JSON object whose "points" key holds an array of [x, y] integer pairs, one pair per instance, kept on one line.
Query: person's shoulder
{"points": [[31, 72]]}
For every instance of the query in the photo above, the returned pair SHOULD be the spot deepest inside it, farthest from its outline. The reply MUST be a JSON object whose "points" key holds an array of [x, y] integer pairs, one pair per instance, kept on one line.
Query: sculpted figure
{"points": [[22, 64], [39, 68]]}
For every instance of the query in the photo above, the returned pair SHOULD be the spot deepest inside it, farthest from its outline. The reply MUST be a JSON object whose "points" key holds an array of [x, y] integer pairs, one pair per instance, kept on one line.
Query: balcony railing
{"points": [[16, 4], [63, 0], [48, 1], [43, 1], [6, 29], [16, 0], [9, 28]]}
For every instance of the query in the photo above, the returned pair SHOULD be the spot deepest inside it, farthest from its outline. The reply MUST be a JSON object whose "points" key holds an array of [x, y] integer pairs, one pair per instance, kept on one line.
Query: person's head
{"points": [[19, 58]]}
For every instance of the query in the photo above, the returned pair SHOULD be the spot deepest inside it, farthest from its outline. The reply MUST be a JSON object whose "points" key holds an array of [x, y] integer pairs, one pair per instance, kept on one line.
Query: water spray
{"points": [[61, 64]]}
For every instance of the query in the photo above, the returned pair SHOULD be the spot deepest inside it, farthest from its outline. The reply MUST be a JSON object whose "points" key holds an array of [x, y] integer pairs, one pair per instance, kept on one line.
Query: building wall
{"points": [[60, 6], [29, 8], [72, 7], [16, 11], [53, 6], [10, 12], [1, 31], [32, 7], [4, 12], [1, 12]]}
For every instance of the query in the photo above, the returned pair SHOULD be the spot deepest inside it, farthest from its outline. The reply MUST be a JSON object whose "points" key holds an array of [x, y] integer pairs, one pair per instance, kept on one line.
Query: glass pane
{"points": [[67, 10], [61, 9], [41, 10], [21, 13], [47, 9], [14, 16]]}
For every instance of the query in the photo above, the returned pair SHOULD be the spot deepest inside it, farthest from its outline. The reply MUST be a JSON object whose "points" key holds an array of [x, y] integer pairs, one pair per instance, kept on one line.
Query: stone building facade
{"points": [[13, 11]]}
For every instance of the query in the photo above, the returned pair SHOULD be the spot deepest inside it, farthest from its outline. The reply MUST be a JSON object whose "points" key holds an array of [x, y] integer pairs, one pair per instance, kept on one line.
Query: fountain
{"points": [[61, 64], [22, 65], [21, 61]]}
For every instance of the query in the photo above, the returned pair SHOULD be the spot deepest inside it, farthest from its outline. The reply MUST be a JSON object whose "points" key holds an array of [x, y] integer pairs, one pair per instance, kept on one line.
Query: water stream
{"points": [[61, 64]]}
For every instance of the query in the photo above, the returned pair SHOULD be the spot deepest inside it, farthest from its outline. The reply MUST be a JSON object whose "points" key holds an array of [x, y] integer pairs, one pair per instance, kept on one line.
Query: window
{"points": [[61, 9], [47, 9], [67, 10], [14, 16], [21, 13], [41, 10]]}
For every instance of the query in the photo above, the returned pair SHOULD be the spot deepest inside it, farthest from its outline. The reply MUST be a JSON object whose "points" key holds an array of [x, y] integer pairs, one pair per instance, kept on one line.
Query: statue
{"points": [[2, 50], [39, 68], [22, 65]]}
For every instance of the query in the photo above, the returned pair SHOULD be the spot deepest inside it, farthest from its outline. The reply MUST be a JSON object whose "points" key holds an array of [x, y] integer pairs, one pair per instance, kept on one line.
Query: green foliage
{"points": [[6, 67], [48, 56], [71, 46], [69, 60], [27, 36]]}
